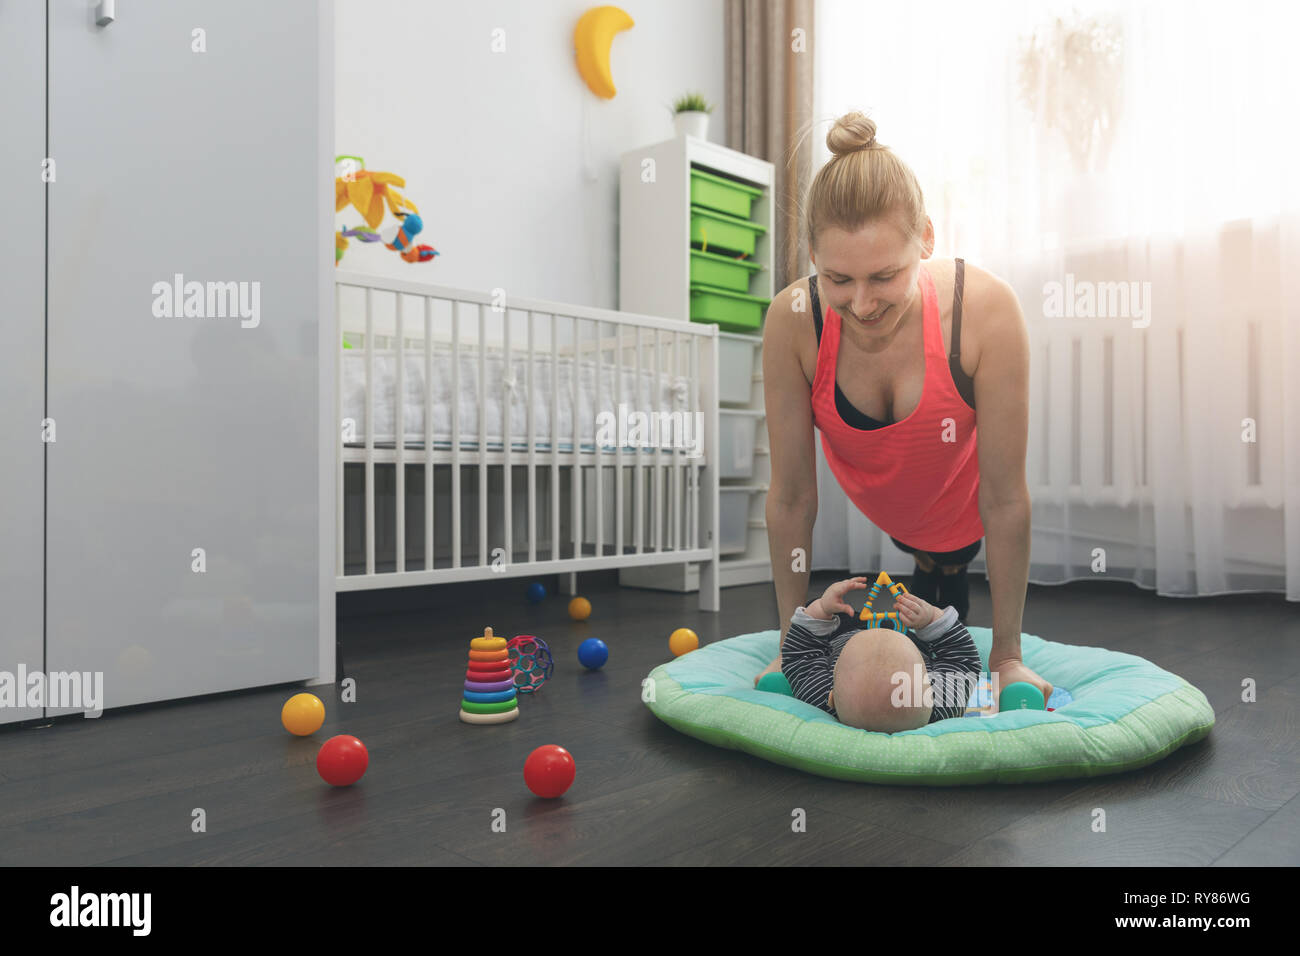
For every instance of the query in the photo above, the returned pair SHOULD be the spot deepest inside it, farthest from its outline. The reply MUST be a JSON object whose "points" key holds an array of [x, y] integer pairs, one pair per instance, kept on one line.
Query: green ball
{"points": [[775, 683], [1021, 696]]}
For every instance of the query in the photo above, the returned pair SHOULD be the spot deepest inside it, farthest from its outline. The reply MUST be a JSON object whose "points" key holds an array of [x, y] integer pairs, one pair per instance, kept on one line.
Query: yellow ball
{"points": [[302, 714], [683, 641], [580, 609]]}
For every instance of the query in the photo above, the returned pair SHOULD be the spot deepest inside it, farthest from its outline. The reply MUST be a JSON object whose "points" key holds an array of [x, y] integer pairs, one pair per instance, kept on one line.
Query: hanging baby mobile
{"points": [[367, 191]]}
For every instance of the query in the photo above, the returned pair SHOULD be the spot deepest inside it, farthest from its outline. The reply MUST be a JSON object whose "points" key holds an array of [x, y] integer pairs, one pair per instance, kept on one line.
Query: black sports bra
{"points": [[965, 385]]}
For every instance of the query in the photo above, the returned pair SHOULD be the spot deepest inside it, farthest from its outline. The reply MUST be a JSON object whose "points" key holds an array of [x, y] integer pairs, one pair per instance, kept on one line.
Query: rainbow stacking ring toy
{"points": [[489, 694]]}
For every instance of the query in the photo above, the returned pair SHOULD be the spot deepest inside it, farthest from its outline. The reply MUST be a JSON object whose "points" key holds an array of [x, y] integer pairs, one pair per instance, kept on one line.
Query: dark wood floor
{"points": [[122, 789]]}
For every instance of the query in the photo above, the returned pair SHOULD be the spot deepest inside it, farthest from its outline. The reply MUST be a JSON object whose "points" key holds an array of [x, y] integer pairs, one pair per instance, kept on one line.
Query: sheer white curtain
{"points": [[1130, 170]]}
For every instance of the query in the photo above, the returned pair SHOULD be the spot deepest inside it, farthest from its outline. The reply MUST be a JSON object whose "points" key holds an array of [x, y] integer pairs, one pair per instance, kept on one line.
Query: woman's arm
{"points": [[789, 527], [1002, 423], [791, 505]]}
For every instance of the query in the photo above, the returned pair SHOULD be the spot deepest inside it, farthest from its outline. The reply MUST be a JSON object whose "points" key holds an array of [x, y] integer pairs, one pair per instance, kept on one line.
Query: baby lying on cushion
{"points": [[880, 679]]}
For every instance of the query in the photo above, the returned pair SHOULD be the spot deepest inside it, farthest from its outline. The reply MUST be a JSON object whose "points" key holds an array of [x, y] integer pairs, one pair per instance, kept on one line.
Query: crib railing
{"points": [[664, 507]]}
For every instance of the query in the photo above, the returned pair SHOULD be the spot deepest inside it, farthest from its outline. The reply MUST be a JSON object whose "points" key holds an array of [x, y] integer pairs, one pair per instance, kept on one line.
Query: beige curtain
{"points": [[769, 102]]}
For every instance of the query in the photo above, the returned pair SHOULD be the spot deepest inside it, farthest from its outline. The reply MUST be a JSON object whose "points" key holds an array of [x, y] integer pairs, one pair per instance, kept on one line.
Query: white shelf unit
{"points": [[654, 279]]}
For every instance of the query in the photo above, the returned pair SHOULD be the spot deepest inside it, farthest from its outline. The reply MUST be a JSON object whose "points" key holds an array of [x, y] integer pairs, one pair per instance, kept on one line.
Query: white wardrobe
{"points": [[166, 489]]}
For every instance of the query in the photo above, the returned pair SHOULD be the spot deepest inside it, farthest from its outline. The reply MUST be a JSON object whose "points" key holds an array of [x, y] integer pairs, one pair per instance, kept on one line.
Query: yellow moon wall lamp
{"points": [[592, 38]]}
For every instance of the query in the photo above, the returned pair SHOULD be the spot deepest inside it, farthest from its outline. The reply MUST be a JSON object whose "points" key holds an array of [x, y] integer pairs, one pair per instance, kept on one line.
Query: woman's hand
{"points": [[1012, 669]]}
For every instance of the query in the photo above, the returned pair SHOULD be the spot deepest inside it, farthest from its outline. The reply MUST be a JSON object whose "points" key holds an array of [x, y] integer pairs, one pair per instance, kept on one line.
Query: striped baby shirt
{"points": [[812, 647]]}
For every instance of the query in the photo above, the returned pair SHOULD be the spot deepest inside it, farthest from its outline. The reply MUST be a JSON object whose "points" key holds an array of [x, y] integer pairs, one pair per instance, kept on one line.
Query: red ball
{"points": [[549, 771], [342, 760]]}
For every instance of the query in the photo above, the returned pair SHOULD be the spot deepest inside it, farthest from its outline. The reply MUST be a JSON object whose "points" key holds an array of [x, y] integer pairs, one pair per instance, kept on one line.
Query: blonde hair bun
{"points": [[864, 182], [852, 132]]}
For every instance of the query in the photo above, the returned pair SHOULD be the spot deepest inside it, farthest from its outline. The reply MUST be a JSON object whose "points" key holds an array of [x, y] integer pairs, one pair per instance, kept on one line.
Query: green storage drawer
{"points": [[732, 311], [718, 232], [721, 272], [722, 194]]}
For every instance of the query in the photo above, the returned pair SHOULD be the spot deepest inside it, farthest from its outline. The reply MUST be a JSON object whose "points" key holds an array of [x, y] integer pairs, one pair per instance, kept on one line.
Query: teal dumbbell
{"points": [[775, 683], [1021, 696]]}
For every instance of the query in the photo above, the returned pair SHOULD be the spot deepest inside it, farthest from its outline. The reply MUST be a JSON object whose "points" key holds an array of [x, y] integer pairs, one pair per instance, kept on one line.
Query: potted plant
{"points": [[691, 116]]}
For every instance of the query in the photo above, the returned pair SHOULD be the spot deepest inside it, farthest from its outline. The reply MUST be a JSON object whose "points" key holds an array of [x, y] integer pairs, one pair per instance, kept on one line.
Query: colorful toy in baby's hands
{"points": [[883, 619], [367, 191]]}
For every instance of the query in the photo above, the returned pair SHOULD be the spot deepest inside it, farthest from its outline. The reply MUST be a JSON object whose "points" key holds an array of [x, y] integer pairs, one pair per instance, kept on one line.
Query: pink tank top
{"points": [[917, 479]]}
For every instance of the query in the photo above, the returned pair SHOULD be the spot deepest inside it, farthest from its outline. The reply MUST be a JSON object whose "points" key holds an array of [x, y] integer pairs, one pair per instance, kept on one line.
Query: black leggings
{"points": [[945, 558]]}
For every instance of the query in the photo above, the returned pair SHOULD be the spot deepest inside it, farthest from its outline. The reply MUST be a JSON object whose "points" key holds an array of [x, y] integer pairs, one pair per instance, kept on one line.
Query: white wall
{"points": [[511, 159]]}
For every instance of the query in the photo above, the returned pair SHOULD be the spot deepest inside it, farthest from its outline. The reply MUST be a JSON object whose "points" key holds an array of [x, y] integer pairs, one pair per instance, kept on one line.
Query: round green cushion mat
{"points": [[1126, 713]]}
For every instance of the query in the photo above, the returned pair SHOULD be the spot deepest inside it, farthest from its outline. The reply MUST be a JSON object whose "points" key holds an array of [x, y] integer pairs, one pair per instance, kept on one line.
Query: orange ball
{"points": [[302, 714], [580, 609], [683, 641]]}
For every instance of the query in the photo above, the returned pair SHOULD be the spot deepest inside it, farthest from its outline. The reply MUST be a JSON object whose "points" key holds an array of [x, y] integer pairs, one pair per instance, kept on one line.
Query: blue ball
{"points": [[592, 653], [536, 592]]}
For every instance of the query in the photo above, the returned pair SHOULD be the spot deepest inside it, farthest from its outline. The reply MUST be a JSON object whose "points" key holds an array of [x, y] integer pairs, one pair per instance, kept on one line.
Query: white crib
{"points": [[481, 437]]}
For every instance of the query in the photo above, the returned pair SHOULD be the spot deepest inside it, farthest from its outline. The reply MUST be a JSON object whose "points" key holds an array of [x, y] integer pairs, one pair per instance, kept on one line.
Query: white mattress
{"points": [[668, 393]]}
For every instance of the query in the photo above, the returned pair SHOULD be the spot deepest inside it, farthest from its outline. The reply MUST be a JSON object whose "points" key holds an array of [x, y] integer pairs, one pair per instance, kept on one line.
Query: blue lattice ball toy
{"points": [[531, 661]]}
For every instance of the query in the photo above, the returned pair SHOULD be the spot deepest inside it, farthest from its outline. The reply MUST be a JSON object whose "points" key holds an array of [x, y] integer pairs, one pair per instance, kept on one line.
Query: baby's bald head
{"points": [[869, 673]]}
